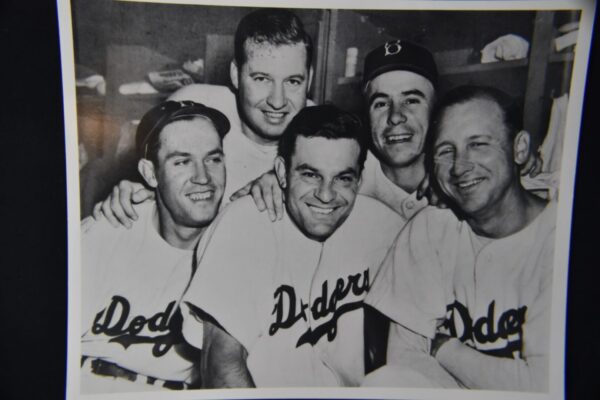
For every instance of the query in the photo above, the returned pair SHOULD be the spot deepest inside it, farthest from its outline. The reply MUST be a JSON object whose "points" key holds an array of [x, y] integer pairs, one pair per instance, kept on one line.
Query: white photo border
{"points": [[561, 259]]}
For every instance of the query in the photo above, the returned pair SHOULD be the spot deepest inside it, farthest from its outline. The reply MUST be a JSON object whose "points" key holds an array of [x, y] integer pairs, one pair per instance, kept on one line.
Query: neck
{"points": [[513, 212], [181, 237], [407, 177], [259, 140]]}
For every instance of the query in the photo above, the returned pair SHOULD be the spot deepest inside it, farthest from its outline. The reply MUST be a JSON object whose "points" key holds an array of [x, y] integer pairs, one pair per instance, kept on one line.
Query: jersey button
{"points": [[410, 204]]}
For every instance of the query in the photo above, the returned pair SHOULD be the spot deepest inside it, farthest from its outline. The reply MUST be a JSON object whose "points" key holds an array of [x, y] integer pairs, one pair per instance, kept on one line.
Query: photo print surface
{"points": [[320, 200]]}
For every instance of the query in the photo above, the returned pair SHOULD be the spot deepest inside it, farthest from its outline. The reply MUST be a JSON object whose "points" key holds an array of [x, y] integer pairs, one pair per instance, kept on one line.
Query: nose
{"points": [[397, 114], [325, 192], [276, 97], [201, 176], [461, 165]]}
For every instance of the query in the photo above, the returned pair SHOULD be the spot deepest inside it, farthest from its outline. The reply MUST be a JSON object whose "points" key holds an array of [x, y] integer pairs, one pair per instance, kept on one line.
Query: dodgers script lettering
{"points": [[288, 309], [112, 321], [486, 329]]}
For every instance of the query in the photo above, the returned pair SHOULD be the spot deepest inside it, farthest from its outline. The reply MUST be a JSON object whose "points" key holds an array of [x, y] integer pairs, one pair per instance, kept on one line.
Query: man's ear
{"points": [[233, 74], [280, 172], [521, 149], [146, 169]]}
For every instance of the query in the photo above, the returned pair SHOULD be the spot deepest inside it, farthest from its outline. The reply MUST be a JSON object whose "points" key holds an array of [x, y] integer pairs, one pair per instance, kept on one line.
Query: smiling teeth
{"points": [[272, 114], [398, 138], [320, 210], [200, 196], [465, 185]]}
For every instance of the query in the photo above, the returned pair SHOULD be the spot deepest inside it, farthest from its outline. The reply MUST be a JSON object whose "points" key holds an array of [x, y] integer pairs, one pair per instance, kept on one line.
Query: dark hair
{"points": [[326, 121], [275, 26], [511, 108]]}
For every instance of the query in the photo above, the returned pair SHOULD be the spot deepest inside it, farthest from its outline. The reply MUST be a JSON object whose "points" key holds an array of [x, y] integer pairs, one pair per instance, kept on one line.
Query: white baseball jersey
{"points": [[494, 295], [133, 281], [245, 160], [295, 304], [375, 184]]}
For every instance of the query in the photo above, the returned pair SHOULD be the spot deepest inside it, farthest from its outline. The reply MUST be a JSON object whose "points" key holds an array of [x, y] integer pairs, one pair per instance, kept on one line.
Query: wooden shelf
{"points": [[464, 69], [474, 68]]}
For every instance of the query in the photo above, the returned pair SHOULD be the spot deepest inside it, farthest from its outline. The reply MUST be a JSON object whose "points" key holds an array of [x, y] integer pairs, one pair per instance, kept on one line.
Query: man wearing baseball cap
{"points": [[133, 279], [399, 83]]}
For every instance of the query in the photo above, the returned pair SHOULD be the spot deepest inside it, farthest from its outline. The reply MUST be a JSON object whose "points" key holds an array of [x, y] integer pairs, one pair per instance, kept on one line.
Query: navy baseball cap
{"points": [[403, 56], [163, 114]]}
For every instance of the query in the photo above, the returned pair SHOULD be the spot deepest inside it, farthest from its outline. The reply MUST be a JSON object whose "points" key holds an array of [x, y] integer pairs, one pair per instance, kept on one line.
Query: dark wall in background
{"points": [[172, 30]]}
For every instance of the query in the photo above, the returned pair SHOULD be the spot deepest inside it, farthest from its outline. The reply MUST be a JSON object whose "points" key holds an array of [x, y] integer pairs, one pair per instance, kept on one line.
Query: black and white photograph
{"points": [[330, 199]]}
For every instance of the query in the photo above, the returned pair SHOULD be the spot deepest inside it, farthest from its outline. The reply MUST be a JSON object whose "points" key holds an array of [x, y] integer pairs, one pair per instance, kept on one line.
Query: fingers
{"points": [[242, 192], [533, 166], [278, 201], [537, 167], [426, 190], [273, 200], [124, 199], [436, 200], [528, 166], [266, 193], [257, 196], [141, 195], [97, 211], [117, 209], [271, 196], [268, 202], [102, 209]]}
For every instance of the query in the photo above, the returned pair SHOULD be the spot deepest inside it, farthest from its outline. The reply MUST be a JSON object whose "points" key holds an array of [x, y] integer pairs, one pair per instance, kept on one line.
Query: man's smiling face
{"points": [[190, 174], [272, 85], [399, 105], [321, 183], [474, 156]]}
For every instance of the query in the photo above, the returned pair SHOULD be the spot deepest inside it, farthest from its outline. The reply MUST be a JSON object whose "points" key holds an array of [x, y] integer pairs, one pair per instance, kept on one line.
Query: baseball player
{"points": [[133, 279], [281, 302], [400, 79], [469, 291], [271, 73]]}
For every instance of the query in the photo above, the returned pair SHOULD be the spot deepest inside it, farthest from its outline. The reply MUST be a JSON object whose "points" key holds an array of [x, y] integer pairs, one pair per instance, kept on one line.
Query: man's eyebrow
{"points": [[411, 92], [177, 154], [376, 96], [297, 76], [255, 73], [348, 170], [414, 92], [305, 166], [218, 152]]}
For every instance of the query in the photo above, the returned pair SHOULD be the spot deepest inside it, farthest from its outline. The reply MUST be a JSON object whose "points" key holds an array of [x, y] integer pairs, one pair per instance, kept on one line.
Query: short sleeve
{"points": [[411, 287], [224, 288]]}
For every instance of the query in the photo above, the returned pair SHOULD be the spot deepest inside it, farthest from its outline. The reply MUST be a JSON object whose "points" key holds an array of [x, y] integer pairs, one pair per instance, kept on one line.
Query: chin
{"points": [[320, 235], [203, 219]]}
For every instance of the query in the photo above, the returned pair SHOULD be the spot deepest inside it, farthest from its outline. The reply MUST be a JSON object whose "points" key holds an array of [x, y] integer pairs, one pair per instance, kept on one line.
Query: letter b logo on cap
{"points": [[392, 48]]}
